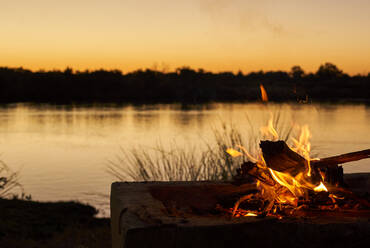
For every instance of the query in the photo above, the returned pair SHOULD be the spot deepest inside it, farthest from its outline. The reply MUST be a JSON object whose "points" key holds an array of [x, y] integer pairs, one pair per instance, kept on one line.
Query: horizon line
{"points": [[165, 70]]}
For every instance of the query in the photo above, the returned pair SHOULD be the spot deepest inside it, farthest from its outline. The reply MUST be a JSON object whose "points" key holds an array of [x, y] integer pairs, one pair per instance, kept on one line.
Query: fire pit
{"points": [[184, 214]]}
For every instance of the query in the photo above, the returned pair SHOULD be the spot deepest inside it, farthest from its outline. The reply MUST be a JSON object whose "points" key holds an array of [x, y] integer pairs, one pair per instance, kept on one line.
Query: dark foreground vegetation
{"points": [[60, 224], [184, 85]]}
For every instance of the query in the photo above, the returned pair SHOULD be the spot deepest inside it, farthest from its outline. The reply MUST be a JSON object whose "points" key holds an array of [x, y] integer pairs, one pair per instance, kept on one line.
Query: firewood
{"points": [[278, 156], [341, 159], [333, 175], [249, 169]]}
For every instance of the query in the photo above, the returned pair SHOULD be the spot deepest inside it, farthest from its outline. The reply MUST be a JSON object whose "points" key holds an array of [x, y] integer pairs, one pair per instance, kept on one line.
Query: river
{"points": [[62, 152]]}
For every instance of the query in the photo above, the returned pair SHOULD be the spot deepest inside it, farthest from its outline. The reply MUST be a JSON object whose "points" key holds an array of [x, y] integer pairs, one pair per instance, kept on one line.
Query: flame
{"points": [[288, 181], [269, 130], [246, 153], [336, 197], [288, 189], [250, 214], [263, 94], [234, 153], [303, 146], [241, 212], [320, 188]]}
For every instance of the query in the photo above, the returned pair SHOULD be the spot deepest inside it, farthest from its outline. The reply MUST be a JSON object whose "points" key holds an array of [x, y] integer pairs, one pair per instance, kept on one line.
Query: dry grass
{"points": [[9, 182], [207, 161]]}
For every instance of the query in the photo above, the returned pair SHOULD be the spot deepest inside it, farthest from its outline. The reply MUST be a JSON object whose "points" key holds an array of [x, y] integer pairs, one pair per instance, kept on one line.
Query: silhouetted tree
{"points": [[297, 72], [329, 70], [68, 71], [183, 85]]}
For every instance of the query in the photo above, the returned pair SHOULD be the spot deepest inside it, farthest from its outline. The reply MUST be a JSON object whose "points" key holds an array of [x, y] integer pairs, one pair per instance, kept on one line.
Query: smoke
{"points": [[249, 15]]}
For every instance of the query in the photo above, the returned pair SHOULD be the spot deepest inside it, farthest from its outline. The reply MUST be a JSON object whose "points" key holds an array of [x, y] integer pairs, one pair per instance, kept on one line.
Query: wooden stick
{"points": [[341, 159]]}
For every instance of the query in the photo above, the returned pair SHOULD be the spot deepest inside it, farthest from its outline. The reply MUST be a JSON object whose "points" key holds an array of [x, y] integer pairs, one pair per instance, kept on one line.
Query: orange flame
{"points": [[250, 214], [270, 130], [234, 153], [303, 146], [320, 188], [288, 188], [291, 183], [246, 153], [263, 94]]}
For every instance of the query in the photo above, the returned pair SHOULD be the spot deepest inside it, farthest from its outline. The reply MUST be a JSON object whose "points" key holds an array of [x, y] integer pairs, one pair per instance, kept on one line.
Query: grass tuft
{"points": [[207, 161], [9, 182]]}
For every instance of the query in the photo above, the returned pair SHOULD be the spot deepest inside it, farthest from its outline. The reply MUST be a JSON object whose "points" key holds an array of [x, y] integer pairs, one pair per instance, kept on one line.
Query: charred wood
{"points": [[333, 175], [250, 170], [278, 156]]}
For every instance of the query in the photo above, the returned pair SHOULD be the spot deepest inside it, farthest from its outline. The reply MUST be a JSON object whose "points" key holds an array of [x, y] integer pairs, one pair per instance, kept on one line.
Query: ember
{"points": [[290, 182]]}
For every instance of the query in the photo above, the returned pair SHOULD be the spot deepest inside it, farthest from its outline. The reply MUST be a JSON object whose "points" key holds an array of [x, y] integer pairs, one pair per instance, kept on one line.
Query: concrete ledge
{"points": [[140, 218]]}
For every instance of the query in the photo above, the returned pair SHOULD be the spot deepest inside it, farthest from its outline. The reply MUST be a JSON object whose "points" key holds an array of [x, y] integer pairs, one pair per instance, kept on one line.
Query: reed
{"points": [[206, 161], [9, 182]]}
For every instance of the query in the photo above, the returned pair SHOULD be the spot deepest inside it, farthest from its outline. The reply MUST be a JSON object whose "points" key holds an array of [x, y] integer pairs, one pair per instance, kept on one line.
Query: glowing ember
{"points": [[250, 214], [320, 188]]}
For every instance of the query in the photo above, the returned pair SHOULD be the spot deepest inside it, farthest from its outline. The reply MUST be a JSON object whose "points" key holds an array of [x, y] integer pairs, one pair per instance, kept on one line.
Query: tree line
{"points": [[183, 85]]}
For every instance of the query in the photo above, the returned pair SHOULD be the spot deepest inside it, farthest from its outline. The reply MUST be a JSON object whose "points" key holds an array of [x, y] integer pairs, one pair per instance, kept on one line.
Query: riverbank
{"points": [[51, 224]]}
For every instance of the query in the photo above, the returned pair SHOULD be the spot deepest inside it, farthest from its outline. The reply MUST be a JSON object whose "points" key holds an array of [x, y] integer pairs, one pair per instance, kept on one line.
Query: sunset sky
{"points": [[217, 35]]}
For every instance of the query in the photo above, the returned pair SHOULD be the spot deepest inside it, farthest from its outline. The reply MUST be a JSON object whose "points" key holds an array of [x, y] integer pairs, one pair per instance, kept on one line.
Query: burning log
{"points": [[333, 175], [252, 169], [279, 157], [287, 179]]}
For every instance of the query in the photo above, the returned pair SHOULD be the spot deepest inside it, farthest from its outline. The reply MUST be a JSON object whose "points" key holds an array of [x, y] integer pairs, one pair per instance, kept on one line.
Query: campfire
{"points": [[295, 201], [292, 197], [285, 181]]}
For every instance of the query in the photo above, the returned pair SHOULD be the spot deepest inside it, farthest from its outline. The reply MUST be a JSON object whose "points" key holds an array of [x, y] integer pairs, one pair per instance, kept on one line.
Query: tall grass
{"points": [[206, 161], [9, 182]]}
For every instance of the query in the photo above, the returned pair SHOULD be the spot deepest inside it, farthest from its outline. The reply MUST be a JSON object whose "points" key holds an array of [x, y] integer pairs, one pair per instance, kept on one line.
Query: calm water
{"points": [[62, 152]]}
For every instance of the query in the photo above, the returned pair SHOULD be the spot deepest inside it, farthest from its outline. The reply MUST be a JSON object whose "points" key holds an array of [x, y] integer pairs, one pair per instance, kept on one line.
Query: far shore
{"points": [[184, 85]]}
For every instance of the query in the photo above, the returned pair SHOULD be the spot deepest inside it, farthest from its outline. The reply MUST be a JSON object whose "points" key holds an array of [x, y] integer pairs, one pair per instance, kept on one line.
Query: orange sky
{"points": [[217, 35]]}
